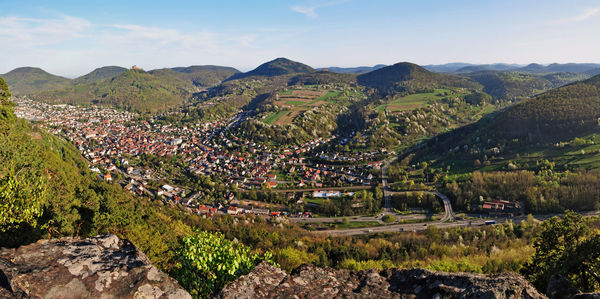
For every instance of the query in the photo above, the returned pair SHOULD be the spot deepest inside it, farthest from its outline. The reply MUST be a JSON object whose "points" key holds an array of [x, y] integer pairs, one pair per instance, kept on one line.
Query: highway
{"points": [[358, 218], [448, 212], [414, 227]]}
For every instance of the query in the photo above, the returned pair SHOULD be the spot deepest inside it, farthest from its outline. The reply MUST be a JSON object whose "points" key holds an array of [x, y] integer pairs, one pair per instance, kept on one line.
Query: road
{"points": [[423, 226], [448, 212], [358, 219]]}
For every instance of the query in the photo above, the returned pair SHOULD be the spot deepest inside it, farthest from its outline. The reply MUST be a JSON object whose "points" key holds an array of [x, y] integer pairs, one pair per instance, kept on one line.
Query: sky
{"points": [[71, 38]]}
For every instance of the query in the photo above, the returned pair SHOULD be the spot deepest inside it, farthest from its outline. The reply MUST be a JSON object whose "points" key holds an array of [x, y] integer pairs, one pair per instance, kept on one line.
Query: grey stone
{"points": [[98, 267]]}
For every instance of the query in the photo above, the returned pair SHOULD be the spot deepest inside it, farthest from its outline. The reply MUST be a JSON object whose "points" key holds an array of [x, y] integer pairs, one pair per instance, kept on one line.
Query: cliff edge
{"points": [[309, 281]]}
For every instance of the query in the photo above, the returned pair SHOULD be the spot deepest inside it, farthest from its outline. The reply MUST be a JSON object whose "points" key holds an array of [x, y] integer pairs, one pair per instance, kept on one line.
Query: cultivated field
{"points": [[415, 101], [296, 101]]}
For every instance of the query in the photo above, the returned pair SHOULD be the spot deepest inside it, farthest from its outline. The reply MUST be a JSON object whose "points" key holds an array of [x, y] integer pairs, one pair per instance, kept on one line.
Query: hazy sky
{"points": [[71, 38]]}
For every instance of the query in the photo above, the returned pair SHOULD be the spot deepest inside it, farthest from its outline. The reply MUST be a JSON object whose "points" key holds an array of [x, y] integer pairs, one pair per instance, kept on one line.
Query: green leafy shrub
{"points": [[388, 218], [208, 262]]}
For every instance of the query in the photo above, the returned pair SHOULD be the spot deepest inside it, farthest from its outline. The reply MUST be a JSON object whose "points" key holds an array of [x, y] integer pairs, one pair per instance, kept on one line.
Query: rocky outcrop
{"points": [[559, 287], [309, 281], [98, 267]]}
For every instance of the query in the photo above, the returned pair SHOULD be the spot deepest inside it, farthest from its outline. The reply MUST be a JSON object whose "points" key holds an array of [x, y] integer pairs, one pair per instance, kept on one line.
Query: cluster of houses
{"points": [[111, 140], [500, 207]]}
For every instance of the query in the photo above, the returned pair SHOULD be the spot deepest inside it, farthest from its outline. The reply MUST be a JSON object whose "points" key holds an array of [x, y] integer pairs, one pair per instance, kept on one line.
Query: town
{"points": [[113, 141]]}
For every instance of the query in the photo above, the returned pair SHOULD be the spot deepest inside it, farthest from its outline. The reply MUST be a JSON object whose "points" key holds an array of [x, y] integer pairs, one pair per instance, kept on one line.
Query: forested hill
{"points": [[205, 75], [510, 85], [26, 80], [100, 74], [134, 90], [560, 113], [409, 77], [277, 67]]}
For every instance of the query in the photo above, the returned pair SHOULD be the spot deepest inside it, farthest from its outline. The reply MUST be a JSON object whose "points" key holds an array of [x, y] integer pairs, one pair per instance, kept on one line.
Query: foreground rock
{"points": [[98, 267], [560, 287], [309, 281]]}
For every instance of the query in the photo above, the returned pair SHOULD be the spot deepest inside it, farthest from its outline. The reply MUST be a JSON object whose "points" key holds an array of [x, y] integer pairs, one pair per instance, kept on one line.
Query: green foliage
{"points": [[566, 246], [21, 198], [388, 219], [544, 192], [208, 262], [290, 258], [4, 92]]}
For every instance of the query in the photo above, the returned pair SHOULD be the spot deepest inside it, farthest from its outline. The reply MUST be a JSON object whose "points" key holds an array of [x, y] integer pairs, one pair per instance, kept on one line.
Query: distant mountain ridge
{"points": [[460, 67], [353, 70], [132, 89], [487, 67], [560, 68]]}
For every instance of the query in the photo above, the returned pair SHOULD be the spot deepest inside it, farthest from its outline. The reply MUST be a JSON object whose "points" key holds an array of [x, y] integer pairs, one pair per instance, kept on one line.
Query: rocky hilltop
{"points": [[309, 281], [108, 267], [97, 267]]}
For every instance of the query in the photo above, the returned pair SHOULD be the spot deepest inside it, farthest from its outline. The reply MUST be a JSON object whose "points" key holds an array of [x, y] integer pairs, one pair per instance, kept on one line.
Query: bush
{"points": [[388, 218], [208, 262]]}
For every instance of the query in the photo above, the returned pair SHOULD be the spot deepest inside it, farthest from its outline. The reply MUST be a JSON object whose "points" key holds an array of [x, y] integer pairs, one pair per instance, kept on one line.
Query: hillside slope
{"points": [[560, 113]]}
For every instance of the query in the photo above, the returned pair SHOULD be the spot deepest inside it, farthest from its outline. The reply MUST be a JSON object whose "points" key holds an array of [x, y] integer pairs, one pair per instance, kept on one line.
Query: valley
{"points": [[285, 153]]}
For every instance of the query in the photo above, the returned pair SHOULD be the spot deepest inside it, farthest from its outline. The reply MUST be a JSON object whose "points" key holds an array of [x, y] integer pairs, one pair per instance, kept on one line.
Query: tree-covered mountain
{"points": [[560, 113], [134, 90], [99, 74], [205, 75], [277, 67], [27, 80], [409, 77], [510, 85]]}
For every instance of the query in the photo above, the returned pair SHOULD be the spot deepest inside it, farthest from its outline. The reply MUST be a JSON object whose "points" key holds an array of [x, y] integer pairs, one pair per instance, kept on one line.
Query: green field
{"points": [[330, 94], [296, 101], [274, 117], [415, 101]]}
